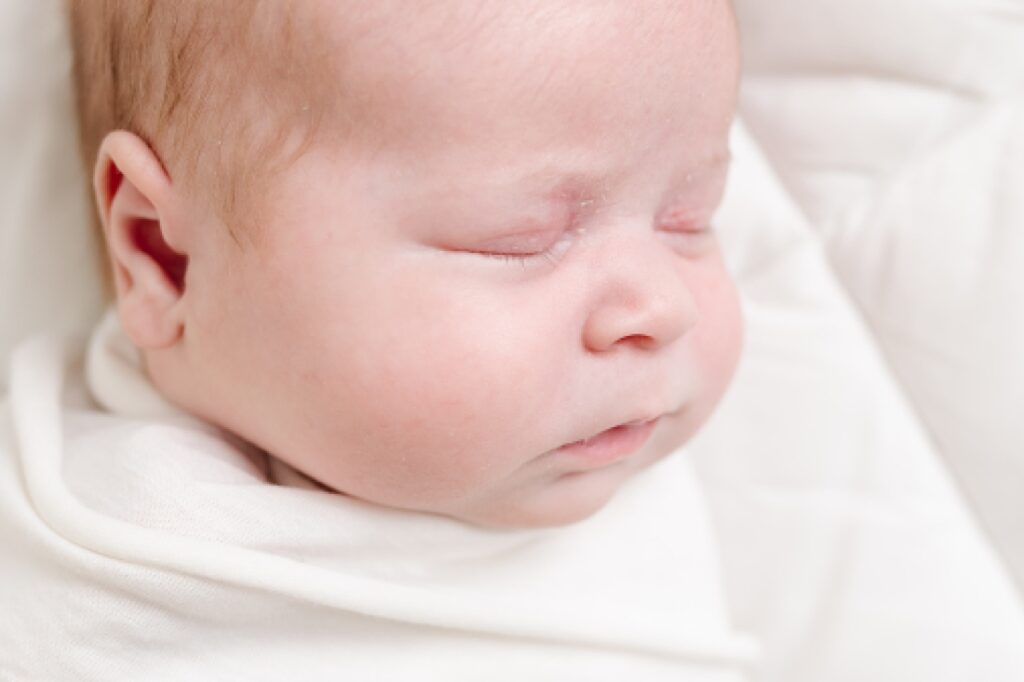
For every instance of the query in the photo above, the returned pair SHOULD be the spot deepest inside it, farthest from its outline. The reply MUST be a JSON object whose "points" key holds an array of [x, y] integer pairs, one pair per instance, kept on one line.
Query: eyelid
{"points": [[537, 242], [550, 253]]}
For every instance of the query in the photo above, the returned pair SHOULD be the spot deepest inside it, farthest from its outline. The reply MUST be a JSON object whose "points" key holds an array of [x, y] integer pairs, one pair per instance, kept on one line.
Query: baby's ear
{"points": [[134, 195]]}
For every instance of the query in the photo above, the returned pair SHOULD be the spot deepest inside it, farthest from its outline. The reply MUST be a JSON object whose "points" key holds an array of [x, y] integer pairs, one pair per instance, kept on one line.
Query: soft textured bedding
{"points": [[898, 129], [852, 511]]}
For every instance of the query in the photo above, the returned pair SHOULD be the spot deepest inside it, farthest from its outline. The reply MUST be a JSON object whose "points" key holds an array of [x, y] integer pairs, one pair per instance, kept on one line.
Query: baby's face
{"points": [[517, 258]]}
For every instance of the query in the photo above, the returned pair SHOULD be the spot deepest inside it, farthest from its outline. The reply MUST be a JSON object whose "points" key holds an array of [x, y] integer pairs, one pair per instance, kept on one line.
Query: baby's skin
{"points": [[516, 255]]}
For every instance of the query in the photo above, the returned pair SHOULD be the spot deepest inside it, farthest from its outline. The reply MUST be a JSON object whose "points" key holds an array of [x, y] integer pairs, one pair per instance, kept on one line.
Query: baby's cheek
{"points": [[718, 337], [451, 395]]}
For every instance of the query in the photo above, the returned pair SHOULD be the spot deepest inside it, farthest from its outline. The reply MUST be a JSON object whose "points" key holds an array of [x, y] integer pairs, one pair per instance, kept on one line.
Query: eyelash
{"points": [[526, 259], [523, 259]]}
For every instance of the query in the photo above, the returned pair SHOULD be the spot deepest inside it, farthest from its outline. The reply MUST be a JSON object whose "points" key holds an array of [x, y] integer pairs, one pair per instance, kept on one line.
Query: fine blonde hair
{"points": [[221, 90]]}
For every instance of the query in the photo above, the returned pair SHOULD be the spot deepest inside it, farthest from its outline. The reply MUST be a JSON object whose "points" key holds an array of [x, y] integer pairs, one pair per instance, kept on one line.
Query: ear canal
{"points": [[148, 239]]}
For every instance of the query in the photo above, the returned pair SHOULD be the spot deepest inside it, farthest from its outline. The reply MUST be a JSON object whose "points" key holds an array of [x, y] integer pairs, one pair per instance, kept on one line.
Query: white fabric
{"points": [[846, 549], [144, 544], [49, 259], [898, 128]]}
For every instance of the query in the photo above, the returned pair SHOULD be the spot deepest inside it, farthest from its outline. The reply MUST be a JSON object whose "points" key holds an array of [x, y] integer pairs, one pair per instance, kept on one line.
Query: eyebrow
{"points": [[561, 185], [572, 186], [707, 162]]}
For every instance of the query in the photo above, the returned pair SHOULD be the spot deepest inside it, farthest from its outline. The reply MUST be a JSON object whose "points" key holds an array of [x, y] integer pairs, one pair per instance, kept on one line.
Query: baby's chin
{"points": [[560, 500], [546, 492], [571, 504]]}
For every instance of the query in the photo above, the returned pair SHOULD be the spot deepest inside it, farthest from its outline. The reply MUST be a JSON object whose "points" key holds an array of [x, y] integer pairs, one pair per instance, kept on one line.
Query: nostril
{"points": [[641, 341]]}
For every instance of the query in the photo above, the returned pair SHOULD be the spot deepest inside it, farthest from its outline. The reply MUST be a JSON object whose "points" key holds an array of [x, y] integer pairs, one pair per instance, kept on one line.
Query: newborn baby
{"points": [[415, 306], [410, 300], [449, 257]]}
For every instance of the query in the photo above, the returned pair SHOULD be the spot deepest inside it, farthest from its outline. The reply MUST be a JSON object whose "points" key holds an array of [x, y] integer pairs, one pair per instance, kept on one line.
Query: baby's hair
{"points": [[219, 89]]}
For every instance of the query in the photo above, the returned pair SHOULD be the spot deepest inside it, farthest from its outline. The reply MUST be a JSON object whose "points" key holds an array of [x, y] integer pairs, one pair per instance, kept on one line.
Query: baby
{"points": [[414, 301], [420, 251]]}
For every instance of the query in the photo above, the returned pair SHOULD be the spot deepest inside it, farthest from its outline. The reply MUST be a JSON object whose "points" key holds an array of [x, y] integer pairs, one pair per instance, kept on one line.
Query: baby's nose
{"points": [[642, 297]]}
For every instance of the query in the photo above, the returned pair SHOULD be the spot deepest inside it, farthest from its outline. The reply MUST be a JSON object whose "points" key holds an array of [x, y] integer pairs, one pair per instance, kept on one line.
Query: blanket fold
{"points": [[183, 549]]}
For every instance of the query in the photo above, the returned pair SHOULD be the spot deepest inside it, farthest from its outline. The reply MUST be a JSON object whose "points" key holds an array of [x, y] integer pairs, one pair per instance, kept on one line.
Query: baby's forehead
{"points": [[415, 34], [408, 62], [498, 91]]}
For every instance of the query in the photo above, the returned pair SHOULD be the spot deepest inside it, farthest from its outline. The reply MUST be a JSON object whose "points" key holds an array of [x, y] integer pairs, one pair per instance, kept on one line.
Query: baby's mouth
{"points": [[611, 445]]}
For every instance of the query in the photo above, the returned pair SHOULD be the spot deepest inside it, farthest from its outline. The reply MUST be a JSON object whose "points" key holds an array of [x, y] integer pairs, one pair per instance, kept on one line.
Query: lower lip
{"points": [[610, 446]]}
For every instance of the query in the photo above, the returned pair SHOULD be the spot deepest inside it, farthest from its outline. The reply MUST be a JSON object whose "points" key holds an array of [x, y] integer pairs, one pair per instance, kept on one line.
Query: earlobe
{"points": [[134, 198]]}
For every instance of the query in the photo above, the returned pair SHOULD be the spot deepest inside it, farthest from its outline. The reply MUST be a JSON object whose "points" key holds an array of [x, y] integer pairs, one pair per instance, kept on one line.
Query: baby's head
{"points": [[411, 249]]}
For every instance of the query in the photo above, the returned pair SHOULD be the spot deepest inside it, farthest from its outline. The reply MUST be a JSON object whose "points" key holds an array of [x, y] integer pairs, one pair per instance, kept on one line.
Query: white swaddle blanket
{"points": [[141, 543]]}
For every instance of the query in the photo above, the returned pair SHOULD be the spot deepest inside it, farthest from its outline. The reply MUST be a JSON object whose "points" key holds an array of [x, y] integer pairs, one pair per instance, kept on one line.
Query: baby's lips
{"points": [[625, 425], [609, 446]]}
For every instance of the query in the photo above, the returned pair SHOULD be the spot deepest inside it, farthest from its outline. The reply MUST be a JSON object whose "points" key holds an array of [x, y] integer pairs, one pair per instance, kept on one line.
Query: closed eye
{"points": [[549, 253]]}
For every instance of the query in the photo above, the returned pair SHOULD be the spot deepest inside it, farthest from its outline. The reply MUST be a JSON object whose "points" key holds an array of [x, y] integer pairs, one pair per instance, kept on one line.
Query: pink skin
{"points": [[370, 341]]}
